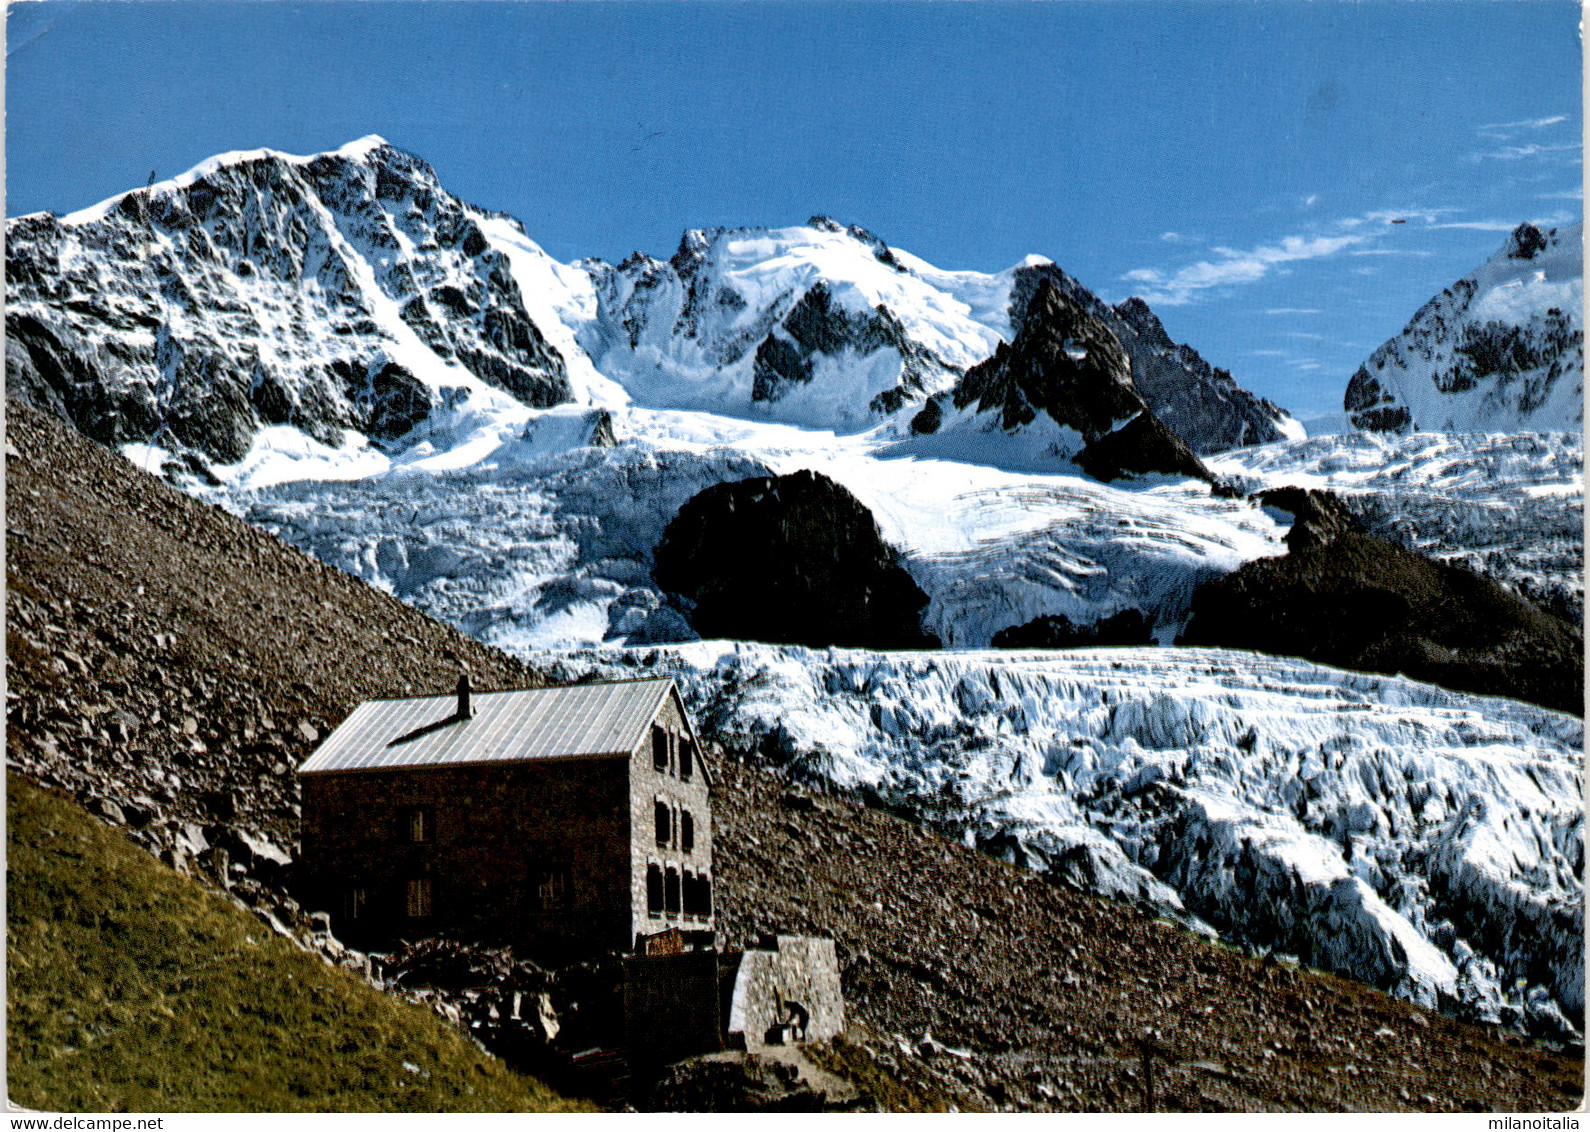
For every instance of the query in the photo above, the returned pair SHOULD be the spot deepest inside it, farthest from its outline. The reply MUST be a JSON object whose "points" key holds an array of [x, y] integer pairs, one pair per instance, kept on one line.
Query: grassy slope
{"points": [[122, 977]]}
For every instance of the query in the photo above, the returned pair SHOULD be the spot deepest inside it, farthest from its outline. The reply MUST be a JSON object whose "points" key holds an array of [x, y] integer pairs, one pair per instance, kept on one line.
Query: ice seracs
{"points": [[1425, 841]]}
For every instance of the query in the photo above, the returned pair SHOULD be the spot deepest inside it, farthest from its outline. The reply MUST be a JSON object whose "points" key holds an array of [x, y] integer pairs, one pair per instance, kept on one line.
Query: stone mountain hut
{"points": [[563, 820]]}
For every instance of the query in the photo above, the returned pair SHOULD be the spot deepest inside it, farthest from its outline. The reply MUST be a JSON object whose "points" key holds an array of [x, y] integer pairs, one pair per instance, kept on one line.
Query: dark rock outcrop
{"points": [[1064, 363], [1201, 403], [1372, 406], [816, 327], [1357, 602], [1318, 517], [1142, 446], [928, 418], [1198, 402], [1067, 364], [790, 560], [1124, 629], [1526, 242]]}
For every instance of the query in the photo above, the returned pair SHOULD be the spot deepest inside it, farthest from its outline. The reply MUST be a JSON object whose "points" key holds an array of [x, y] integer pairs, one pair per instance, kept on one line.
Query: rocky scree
{"points": [[170, 667]]}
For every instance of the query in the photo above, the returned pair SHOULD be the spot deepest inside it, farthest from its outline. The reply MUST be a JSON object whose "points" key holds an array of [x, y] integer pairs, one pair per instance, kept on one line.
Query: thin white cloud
{"points": [[1358, 236], [1565, 194], [1175, 288], [1520, 152], [1305, 335], [1480, 225], [1527, 123], [1311, 200], [1267, 354], [1551, 221], [1386, 216]]}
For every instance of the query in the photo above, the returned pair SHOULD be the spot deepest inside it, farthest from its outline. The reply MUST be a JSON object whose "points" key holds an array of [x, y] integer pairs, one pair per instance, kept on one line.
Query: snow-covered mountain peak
{"points": [[817, 324], [336, 300], [343, 308], [1502, 349], [370, 150]]}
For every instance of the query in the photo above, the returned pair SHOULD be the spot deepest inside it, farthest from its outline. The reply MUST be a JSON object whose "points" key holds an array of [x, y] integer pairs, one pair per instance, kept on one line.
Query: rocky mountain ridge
{"points": [[1501, 350], [342, 293], [264, 301], [1067, 374]]}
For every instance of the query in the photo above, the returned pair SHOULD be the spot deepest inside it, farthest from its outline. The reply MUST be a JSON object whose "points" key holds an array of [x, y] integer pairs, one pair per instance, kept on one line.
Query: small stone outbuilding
{"points": [[783, 992], [563, 820]]}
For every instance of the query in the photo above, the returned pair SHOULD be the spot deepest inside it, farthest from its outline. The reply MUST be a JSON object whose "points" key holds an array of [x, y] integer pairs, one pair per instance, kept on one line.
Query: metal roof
{"points": [[541, 723]]}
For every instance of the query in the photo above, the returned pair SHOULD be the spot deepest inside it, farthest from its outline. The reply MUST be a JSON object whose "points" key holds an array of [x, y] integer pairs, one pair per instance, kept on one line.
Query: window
{"points": [[659, 749], [665, 823], [654, 889], [687, 830], [703, 896], [687, 758], [687, 892], [552, 888], [671, 892], [419, 899], [419, 824]]}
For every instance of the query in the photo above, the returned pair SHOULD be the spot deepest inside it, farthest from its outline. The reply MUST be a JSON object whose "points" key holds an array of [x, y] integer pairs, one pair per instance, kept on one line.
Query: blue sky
{"points": [[1238, 164]]}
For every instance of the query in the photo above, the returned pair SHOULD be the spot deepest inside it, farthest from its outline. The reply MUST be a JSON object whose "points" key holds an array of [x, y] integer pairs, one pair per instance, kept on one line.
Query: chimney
{"points": [[464, 711]]}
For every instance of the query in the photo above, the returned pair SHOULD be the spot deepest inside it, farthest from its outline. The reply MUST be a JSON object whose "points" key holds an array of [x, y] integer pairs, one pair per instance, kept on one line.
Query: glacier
{"points": [[538, 548], [1428, 842]]}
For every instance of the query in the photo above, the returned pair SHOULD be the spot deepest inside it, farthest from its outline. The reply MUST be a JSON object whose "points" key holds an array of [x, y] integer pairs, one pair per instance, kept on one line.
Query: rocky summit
{"points": [[347, 291], [1502, 349]]}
